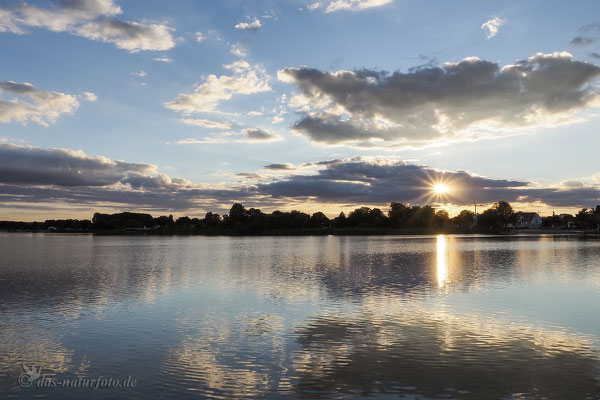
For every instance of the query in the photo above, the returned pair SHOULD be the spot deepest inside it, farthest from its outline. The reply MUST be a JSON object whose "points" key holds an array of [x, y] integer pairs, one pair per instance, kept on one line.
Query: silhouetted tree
{"points": [[587, 219], [398, 214], [505, 213], [464, 219], [442, 219], [183, 221], [211, 220], [164, 221], [489, 219], [237, 214], [340, 221], [319, 220]]}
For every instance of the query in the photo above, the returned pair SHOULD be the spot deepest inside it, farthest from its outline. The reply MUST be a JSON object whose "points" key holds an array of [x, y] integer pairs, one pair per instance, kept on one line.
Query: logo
{"points": [[30, 375]]}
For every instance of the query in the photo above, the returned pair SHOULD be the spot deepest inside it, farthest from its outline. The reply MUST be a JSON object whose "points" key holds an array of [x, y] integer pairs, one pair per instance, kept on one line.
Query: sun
{"points": [[440, 188]]}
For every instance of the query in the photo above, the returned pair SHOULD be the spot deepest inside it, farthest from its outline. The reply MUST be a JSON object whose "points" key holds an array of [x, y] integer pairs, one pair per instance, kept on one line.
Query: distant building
{"points": [[528, 220]]}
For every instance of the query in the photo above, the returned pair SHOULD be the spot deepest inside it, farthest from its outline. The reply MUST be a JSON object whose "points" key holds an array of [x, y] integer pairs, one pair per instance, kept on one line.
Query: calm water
{"points": [[313, 317]]}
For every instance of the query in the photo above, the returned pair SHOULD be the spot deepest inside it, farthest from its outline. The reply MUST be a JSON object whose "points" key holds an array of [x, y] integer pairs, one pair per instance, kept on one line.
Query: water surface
{"points": [[464, 317]]}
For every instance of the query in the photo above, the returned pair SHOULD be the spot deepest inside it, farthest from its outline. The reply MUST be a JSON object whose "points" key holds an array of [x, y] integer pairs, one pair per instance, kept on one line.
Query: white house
{"points": [[528, 220]]}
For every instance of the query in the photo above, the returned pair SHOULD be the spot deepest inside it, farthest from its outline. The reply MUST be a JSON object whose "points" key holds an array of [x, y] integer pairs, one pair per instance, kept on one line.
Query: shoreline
{"points": [[315, 232]]}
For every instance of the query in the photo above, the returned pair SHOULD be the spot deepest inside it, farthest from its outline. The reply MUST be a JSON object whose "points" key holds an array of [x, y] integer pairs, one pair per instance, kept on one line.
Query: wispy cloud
{"points": [[247, 135], [245, 79], [163, 59], [205, 123], [253, 25], [348, 5], [588, 34], [492, 26]]}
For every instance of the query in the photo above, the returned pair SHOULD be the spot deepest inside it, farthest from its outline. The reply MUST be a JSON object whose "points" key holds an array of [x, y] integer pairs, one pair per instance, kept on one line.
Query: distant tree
{"points": [[505, 213], [398, 214], [121, 220], [319, 220], [442, 219], [254, 220], [358, 217], [299, 220], [551, 221], [195, 221], [421, 217], [464, 219], [211, 220], [489, 219], [237, 213], [377, 218], [587, 219], [183, 221], [340, 221], [164, 221]]}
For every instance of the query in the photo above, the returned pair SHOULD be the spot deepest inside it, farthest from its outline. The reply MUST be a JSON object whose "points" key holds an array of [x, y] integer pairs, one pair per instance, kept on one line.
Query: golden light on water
{"points": [[442, 260]]}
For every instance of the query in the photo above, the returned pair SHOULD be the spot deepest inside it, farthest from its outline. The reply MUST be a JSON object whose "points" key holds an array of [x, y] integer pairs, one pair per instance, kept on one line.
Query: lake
{"points": [[463, 317]]}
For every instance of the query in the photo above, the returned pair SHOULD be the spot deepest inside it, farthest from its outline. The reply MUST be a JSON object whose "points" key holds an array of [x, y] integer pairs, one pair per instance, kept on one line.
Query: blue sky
{"points": [[135, 84]]}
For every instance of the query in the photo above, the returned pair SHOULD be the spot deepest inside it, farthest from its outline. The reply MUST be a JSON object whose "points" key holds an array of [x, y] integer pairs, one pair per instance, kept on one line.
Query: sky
{"points": [[189, 106]]}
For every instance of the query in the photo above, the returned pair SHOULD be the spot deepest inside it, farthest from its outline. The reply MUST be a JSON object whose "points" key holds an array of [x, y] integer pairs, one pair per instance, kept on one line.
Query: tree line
{"points": [[241, 220]]}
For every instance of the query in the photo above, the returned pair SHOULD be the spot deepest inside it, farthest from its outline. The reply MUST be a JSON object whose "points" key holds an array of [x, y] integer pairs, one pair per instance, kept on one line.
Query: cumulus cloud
{"points": [[244, 80], [253, 25], [492, 26], [469, 99], [92, 19], [23, 102], [588, 34], [350, 5], [129, 35], [32, 175]]}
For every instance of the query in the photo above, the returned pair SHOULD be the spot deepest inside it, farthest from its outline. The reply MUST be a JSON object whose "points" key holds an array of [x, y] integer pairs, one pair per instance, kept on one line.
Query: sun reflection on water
{"points": [[442, 261]]}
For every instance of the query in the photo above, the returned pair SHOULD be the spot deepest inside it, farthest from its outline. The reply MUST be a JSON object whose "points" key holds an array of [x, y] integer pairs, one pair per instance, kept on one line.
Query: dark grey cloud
{"points": [[34, 176], [279, 167], [588, 34], [594, 55], [432, 103], [35, 166], [376, 182], [249, 175], [361, 181]]}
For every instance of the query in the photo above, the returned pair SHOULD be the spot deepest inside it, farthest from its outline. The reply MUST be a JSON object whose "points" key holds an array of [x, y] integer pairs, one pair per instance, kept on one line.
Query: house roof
{"points": [[526, 216]]}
